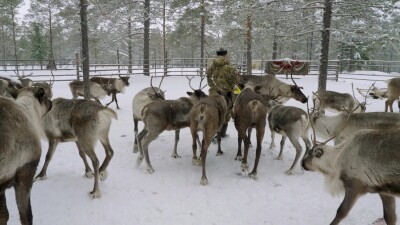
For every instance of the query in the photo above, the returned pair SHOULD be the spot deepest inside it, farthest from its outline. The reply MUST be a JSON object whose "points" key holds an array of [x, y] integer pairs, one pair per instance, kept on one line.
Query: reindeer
{"points": [[275, 88], [249, 111], [84, 122], [117, 85], [393, 93], [25, 82], [208, 116], [96, 90], [163, 115], [290, 122], [332, 126], [367, 162], [9, 88], [20, 148], [338, 102], [141, 99]]}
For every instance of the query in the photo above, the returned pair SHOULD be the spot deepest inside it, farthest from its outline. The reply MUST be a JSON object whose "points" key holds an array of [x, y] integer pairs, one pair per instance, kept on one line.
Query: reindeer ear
{"points": [[189, 93], [241, 86], [257, 88]]}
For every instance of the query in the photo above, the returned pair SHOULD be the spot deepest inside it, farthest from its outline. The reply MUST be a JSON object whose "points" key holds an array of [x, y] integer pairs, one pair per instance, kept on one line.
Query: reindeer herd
{"points": [[363, 158]]}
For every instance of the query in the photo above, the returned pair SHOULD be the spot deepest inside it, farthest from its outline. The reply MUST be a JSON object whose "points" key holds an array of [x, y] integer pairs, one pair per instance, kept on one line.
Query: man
{"points": [[223, 76]]}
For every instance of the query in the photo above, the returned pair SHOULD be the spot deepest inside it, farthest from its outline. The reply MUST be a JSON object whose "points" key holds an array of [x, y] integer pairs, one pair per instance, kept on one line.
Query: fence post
{"points": [[119, 72], [338, 68], [77, 65]]}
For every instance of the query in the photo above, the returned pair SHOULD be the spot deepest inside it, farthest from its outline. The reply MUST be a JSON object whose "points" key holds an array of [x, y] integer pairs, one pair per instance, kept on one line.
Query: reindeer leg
{"points": [[52, 147], [239, 152], [242, 135], [88, 170], [113, 98], [350, 198], [193, 131], [175, 152], [4, 215], [272, 140], [140, 137], [206, 143], [22, 188], [297, 146], [151, 136], [389, 209], [260, 136], [283, 140], [89, 150], [135, 129], [249, 135], [109, 154]]}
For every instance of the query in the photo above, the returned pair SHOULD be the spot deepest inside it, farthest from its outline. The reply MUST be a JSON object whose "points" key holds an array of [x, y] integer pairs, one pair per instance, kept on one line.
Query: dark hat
{"points": [[222, 51]]}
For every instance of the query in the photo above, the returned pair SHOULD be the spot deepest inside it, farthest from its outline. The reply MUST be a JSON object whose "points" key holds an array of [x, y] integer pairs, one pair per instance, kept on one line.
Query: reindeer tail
{"points": [[254, 105], [111, 113], [202, 112]]}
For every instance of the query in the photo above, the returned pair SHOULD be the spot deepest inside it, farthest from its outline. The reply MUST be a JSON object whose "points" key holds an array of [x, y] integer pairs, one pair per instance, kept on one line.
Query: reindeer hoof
{"points": [[239, 158], [95, 194], [150, 170], [44, 177], [289, 172], [379, 221], [139, 160], [279, 158], [253, 176], [176, 156], [219, 153], [196, 162], [103, 175], [135, 148], [88, 174], [203, 181]]}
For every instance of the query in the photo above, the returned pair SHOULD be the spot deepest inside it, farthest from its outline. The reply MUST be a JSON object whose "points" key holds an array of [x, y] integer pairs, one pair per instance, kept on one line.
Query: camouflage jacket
{"points": [[221, 75]]}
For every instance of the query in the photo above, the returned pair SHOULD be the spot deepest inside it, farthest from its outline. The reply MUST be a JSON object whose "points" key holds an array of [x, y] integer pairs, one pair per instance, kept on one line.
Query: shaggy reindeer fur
{"points": [[368, 162], [208, 116], [20, 148], [249, 111], [164, 115], [337, 102], [96, 90]]}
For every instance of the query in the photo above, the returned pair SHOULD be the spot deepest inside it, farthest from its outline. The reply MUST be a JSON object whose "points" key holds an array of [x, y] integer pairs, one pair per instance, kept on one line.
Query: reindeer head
{"points": [[297, 94], [125, 79]]}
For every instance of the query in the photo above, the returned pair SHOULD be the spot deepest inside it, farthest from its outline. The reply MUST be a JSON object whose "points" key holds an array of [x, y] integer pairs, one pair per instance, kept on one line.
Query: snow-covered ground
{"points": [[173, 194]]}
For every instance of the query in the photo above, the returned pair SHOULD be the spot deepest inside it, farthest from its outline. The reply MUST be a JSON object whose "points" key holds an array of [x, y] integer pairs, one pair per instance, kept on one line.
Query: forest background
{"points": [[48, 30]]}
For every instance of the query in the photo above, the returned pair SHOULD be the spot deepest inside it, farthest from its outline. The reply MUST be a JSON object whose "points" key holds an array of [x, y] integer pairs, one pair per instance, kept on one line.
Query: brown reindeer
{"points": [[393, 93], [367, 162], [20, 148], [164, 115], [141, 99], [249, 111], [84, 122], [117, 85], [208, 116]]}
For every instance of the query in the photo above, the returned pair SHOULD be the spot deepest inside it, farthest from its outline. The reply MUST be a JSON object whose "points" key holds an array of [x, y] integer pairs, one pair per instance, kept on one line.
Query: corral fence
{"points": [[70, 69]]}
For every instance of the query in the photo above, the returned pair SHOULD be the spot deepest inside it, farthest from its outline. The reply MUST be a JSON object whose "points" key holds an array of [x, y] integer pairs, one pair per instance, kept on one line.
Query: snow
{"points": [[173, 194]]}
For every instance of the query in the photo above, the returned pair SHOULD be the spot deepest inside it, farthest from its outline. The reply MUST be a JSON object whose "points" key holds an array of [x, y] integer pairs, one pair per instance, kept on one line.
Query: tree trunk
{"points": [[164, 42], [15, 41], [146, 36], [202, 37], [323, 65], [248, 42], [52, 64], [85, 48], [130, 53]]}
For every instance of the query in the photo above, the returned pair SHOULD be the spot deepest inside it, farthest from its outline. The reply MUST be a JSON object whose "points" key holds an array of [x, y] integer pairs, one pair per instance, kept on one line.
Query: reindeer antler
{"points": [[202, 78], [190, 81], [52, 81]]}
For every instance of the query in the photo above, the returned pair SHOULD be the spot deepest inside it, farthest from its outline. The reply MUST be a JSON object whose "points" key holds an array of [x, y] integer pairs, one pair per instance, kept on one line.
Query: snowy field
{"points": [[173, 194]]}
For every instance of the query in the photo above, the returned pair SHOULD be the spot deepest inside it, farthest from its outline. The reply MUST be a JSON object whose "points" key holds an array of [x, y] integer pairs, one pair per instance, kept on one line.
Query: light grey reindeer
{"points": [[275, 88], [337, 102], [141, 99], [393, 93], [20, 148], [249, 111], [208, 116], [85, 122], [97, 91], [367, 162], [165, 115], [332, 126], [290, 122], [47, 86], [117, 85]]}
